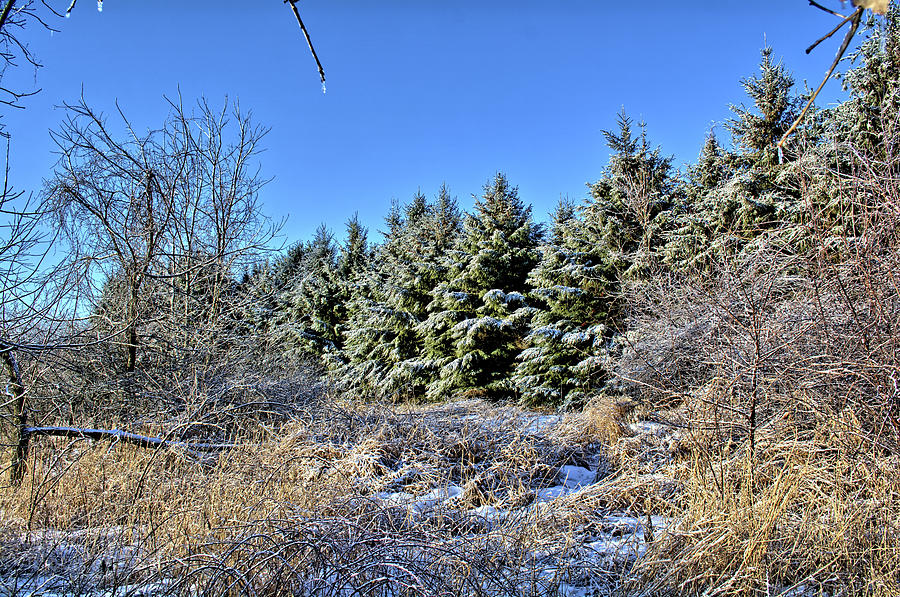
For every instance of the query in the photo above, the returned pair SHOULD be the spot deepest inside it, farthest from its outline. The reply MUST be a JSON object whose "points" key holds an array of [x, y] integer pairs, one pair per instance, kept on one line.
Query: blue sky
{"points": [[419, 92]]}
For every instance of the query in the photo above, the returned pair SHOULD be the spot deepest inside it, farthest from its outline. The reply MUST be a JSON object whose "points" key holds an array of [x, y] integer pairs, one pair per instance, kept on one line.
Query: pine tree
{"points": [[629, 206], [731, 198], [574, 285], [372, 329], [354, 254], [382, 340], [309, 313], [354, 285], [696, 221], [478, 318], [871, 113], [756, 131]]}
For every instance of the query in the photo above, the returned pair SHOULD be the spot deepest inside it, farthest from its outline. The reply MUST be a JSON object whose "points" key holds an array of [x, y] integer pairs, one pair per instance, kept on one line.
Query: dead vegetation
{"points": [[781, 367], [422, 500]]}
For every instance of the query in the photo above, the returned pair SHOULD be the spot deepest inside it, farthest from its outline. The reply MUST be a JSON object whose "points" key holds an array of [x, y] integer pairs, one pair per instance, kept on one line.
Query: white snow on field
{"points": [[542, 423], [489, 514], [423, 503], [576, 477], [547, 494], [649, 428]]}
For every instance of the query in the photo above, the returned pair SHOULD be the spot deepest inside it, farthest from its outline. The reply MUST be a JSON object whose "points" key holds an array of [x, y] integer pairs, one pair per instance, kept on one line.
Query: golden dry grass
{"points": [[813, 513], [302, 513]]}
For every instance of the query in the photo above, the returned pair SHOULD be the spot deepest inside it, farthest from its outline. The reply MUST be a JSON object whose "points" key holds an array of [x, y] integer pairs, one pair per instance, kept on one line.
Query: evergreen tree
{"points": [[371, 329], [309, 309], [354, 279], [757, 130], [629, 206], [695, 219], [355, 255], [478, 318], [382, 339], [711, 169], [574, 287], [871, 113], [260, 290], [731, 198]]}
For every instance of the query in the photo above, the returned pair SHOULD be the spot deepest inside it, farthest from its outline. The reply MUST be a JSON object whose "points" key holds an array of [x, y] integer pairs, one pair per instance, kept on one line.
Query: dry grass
{"points": [[306, 512], [783, 368], [814, 512]]}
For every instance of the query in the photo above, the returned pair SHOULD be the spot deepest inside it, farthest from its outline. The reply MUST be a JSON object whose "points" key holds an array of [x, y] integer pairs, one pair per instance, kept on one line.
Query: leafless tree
{"points": [[174, 210], [187, 215]]}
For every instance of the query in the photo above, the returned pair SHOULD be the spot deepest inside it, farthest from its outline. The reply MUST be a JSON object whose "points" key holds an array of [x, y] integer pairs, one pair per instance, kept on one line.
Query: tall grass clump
{"points": [[783, 363]]}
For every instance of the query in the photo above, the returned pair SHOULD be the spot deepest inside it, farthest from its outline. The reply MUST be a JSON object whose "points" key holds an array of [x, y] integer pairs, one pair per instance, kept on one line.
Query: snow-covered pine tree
{"points": [[758, 193], [382, 340], [436, 251], [871, 114], [354, 278], [355, 255], [478, 318], [757, 130], [375, 326], [629, 208], [308, 310], [694, 219], [574, 285]]}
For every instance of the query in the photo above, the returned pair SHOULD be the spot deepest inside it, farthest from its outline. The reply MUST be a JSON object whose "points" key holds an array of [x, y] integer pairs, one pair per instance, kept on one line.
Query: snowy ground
{"points": [[599, 543]]}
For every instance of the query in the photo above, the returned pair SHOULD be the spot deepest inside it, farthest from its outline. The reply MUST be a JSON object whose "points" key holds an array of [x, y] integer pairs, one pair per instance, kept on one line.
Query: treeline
{"points": [[484, 303], [492, 303]]}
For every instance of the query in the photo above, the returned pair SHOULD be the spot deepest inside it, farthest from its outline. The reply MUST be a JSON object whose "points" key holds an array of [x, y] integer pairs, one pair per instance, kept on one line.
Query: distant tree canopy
{"points": [[489, 303], [450, 303]]}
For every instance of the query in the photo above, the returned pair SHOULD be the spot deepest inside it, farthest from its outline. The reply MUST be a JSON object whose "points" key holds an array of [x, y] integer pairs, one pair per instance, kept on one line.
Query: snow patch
{"points": [[576, 477]]}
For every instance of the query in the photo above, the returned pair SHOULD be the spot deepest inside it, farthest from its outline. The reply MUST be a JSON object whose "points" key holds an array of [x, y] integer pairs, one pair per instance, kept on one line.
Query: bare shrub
{"points": [[783, 365]]}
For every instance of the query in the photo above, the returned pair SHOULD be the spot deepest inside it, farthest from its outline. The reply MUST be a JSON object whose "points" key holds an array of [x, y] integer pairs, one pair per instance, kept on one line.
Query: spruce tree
{"points": [[354, 284], [478, 318], [309, 313], [574, 287], [628, 211], [757, 130], [731, 198], [696, 221], [382, 339], [871, 113], [370, 330]]}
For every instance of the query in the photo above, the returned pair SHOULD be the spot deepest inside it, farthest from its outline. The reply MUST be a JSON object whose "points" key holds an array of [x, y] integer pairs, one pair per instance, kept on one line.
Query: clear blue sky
{"points": [[419, 92]]}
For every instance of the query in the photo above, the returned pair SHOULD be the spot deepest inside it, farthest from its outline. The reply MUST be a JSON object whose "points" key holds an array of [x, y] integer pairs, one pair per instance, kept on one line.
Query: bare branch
{"points": [[293, 4], [854, 25]]}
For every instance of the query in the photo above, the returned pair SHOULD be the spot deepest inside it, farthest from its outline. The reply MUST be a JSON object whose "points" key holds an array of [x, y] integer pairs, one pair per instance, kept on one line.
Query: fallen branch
{"points": [[117, 435]]}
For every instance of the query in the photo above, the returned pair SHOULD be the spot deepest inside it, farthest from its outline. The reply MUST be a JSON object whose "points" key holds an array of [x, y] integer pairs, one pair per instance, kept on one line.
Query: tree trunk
{"points": [[131, 359], [20, 454], [131, 332]]}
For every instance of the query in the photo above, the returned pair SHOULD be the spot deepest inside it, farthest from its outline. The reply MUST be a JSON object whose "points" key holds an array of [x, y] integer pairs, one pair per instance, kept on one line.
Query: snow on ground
{"points": [[612, 544]]}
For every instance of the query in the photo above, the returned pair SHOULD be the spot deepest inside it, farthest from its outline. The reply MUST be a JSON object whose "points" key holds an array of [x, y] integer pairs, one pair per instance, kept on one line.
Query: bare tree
{"points": [[216, 221], [168, 211]]}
